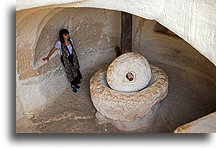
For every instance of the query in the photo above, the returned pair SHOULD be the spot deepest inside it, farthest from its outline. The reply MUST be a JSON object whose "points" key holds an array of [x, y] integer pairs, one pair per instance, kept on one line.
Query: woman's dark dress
{"points": [[71, 64]]}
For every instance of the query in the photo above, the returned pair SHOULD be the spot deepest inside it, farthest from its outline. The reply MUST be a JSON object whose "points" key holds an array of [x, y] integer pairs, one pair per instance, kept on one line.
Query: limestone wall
{"points": [[95, 33], [191, 20]]}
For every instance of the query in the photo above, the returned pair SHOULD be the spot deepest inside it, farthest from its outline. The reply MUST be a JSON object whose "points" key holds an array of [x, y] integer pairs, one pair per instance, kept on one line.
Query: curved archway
{"points": [[182, 17]]}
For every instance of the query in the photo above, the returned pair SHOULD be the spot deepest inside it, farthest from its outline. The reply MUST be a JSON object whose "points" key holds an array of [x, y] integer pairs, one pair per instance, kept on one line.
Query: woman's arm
{"points": [[50, 53]]}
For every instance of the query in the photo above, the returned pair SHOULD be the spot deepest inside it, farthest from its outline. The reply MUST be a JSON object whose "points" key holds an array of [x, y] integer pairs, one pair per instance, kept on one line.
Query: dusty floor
{"points": [[191, 94]]}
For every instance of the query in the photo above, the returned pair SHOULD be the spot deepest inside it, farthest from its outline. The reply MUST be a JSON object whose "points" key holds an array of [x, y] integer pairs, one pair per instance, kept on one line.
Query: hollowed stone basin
{"points": [[127, 106]]}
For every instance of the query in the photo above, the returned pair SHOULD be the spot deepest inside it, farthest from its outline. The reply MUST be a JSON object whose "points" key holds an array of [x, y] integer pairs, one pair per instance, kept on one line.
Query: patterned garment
{"points": [[71, 62]]}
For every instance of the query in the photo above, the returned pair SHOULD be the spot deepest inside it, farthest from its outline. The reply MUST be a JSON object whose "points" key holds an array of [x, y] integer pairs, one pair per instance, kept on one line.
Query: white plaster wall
{"points": [[192, 20]]}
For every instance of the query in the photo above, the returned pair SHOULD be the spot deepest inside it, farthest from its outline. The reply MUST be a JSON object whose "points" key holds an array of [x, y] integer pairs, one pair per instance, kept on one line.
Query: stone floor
{"points": [[71, 113], [74, 112]]}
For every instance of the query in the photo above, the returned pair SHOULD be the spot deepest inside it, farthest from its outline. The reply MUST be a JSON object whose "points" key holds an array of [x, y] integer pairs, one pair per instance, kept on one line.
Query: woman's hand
{"points": [[50, 53], [46, 59]]}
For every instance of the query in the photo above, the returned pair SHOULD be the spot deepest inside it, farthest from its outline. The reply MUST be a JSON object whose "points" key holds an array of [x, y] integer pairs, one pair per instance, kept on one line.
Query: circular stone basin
{"points": [[127, 106], [129, 72]]}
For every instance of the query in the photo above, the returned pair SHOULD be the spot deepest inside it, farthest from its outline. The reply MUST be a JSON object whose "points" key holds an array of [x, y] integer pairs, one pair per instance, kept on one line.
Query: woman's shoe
{"points": [[77, 86], [74, 89]]}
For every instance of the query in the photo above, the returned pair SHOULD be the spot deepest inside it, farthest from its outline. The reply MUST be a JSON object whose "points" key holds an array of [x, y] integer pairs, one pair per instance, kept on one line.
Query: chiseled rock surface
{"points": [[134, 125], [206, 124], [22, 4], [131, 62], [127, 106], [195, 27], [39, 82]]}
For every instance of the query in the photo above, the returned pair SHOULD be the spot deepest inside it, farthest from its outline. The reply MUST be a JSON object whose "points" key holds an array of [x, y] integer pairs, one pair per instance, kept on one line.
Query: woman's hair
{"points": [[61, 32]]}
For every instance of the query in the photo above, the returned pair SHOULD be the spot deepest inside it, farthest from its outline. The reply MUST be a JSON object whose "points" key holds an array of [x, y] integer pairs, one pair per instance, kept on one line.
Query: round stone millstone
{"points": [[128, 72]]}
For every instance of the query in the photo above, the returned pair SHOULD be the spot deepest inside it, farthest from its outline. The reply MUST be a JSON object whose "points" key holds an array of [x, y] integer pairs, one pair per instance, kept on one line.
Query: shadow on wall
{"points": [[163, 30]]}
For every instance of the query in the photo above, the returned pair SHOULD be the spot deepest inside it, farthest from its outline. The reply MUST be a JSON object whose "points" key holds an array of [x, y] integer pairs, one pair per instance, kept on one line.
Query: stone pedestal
{"points": [[128, 110], [136, 124]]}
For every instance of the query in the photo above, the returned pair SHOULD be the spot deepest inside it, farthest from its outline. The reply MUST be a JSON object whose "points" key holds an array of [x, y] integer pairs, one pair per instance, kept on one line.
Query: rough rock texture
{"points": [[206, 124], [22, 4], [128, 63], [127, 106], [23, 124], [181, 17], [134, 125], [42, 88], [38, 82]]}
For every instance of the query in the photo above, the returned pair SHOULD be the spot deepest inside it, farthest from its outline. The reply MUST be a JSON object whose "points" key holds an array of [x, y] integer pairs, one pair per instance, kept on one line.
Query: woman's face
{"points": [[66, 36]]}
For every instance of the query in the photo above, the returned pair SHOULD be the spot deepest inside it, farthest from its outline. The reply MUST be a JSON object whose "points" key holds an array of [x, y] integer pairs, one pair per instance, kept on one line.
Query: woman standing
{"points": [[69, 58]]}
